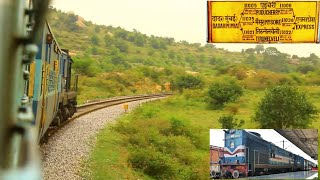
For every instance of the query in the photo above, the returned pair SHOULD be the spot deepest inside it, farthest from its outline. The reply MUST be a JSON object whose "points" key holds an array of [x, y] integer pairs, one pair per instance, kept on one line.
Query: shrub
{"points": [[153, 163], [187, 82], [266, 79], [221, 93], [164, 149]]}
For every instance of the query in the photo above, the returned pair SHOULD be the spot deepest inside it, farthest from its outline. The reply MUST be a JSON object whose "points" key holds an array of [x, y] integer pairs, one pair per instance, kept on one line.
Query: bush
{"points": [[164, 149], [266, 79], [153, 163], [221, 93], [187, 82]]}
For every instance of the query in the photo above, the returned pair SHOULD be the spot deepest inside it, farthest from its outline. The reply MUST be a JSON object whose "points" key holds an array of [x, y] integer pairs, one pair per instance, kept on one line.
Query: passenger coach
{"points": [[53, 98]]}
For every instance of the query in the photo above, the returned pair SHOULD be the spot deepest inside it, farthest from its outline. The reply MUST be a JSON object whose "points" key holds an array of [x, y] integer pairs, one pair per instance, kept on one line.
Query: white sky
{"points": [[217, 136], [180, 19]]}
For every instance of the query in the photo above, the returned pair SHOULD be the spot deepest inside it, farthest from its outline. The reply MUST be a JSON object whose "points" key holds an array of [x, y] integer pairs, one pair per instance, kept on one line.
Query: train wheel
{"points": [[57, 119], [213, 174], [45, 138], [72, 109], [65, 113], [235, 174]]}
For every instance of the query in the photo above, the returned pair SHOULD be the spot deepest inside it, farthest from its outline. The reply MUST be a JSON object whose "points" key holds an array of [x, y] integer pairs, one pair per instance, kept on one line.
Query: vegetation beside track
{"points": [[168, 139], [112, 61]]}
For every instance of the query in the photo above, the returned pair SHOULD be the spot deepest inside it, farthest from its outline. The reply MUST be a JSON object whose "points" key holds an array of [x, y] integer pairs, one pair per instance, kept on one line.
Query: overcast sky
{"points": [[180, 19], [217, 136]]}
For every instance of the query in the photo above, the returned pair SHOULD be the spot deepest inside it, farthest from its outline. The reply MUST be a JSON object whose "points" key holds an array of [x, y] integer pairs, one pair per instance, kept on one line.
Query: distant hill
{"points": [[112, 61]]}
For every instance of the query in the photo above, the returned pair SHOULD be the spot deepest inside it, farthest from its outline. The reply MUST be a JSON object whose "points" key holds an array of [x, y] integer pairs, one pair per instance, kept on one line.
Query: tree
{"points": [[213, 61], [139, 40], [117, 58], [210, 46], [95, 40], [122, 46], [155, 43], [259, 48], [221, 93], [305, 68], [251, 59], [250, 50], [229, 122], [285, 107], [108, 40], [171, 54], [314, 59], [97, 29], [94, 51], [121, 33], [274, 60]]}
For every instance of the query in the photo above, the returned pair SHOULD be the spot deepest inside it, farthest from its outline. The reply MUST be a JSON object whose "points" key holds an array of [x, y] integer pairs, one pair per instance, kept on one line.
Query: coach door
{"points": [[45, 71]]}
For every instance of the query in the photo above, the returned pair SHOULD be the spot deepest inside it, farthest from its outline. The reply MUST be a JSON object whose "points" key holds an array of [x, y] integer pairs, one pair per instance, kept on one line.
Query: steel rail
{"points": [[90, 107]]}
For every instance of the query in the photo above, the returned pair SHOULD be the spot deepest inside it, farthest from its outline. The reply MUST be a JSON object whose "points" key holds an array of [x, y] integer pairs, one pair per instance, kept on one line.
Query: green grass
{"points": [[108, 160], [116, 144], [313, 94]]}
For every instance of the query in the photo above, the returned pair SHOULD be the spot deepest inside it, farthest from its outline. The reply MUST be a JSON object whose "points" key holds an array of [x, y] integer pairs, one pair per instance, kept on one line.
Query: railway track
{"points": [[90, 107]]}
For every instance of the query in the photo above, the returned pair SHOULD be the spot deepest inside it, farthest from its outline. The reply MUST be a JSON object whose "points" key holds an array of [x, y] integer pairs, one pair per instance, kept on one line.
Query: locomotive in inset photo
{"points": [[246, 153]]}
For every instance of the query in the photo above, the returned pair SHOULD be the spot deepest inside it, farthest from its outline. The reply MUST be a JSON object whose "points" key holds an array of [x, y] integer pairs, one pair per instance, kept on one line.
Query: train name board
{"points": [[263, 21], [233, 136]]}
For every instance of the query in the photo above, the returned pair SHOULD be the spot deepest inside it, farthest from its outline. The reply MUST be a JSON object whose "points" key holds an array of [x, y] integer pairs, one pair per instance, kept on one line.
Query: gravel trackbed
{"points": [[67, 148]]}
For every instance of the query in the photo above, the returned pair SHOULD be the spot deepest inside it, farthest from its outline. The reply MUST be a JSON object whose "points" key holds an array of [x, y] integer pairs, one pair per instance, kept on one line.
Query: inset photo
{"points": [[264, 153]]}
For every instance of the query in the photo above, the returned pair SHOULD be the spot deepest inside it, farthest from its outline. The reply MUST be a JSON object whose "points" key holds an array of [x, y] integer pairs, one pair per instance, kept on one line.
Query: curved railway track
{"points": [[90, 107]]}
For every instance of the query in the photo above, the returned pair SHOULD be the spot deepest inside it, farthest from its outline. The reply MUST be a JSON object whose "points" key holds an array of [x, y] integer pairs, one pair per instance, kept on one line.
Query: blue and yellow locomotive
{"points": [[246, 153], [53, 97]]}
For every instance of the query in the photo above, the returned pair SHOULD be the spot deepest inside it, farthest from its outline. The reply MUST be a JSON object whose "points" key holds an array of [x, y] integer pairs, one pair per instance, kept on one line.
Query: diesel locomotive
{"points": [[247, 153], [50, 87]]}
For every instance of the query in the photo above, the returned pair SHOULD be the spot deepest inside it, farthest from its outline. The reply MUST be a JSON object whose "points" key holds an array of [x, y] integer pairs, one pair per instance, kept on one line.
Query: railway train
{"points": [[50, 87], [246, 153], [28, 86]]}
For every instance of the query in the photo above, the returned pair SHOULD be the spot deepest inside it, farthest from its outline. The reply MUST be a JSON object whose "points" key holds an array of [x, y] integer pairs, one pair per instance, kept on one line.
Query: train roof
{"points": [[50, 30], [253, 134], [62, 51]]}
